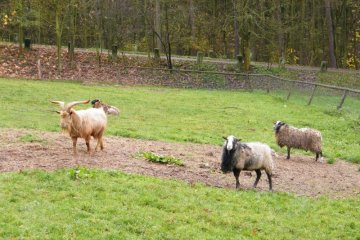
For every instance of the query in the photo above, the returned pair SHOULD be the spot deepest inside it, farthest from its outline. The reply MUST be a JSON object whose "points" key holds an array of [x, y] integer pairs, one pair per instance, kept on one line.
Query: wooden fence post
{"points": [[290, 91], [157, 54], [27, 43], [39, 69], [323, 66], [343, 99], [114, 50], [200, 57], [312, 95], [249, 81]]}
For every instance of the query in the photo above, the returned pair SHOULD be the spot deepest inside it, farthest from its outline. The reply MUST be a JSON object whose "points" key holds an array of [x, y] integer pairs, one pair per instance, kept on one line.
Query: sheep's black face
{"points": [[278, 125], [229, 148], [94, 101]]}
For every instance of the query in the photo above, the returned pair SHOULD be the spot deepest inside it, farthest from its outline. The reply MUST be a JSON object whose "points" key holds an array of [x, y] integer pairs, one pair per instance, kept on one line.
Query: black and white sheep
{"points": [[252, 156], [301, 138]]}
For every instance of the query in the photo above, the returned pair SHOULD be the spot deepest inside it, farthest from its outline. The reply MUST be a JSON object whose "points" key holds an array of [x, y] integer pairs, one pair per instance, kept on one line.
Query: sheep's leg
{"points": [[237, 174], [270, 181], [288, 153], [318, 154], [74, 140], [258, 175]]}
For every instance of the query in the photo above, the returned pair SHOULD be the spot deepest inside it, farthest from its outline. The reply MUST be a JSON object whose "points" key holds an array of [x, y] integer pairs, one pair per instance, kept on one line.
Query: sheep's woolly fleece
{"points": [[304, 138], [301, 175]]}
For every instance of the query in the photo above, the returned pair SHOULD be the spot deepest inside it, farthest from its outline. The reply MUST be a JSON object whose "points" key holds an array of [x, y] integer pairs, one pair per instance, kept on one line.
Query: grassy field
{"points": [[199, 116], [92, 204]]}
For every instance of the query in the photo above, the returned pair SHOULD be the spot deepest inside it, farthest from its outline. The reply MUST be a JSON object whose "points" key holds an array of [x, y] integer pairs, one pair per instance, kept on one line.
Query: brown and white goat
{"points": [[82, 123]]}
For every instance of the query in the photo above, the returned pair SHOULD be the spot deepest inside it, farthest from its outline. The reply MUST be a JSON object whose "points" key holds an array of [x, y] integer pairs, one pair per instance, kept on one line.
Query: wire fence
{"points": [[308, 92]]}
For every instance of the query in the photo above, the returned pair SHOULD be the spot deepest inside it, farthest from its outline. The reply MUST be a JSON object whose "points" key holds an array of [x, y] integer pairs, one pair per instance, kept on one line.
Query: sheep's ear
{"points": [[57, 112], [225, 138]]}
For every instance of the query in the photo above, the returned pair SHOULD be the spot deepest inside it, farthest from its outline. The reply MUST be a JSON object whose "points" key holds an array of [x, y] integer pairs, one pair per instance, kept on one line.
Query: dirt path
{"points": [[301, 175]]}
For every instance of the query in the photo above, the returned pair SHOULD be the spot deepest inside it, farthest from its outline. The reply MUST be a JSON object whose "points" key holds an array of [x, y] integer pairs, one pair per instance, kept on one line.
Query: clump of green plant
{"points": [[81, 173], [334, 112], [331, 160], [31, 138], [152, 157]]}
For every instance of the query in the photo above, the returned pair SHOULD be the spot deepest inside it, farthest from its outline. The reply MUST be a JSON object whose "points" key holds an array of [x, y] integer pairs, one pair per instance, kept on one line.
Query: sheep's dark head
{"points": [[227, 161], [278, 125], [95, 102]]}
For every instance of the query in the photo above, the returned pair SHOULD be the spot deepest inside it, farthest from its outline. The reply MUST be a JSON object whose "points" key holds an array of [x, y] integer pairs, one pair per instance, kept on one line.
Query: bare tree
{"points": [[329, 24]]}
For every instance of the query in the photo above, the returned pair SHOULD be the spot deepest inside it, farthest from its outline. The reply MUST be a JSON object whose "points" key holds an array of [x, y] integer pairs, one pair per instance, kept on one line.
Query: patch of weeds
{"points": [[31, 138], [334, 113], [331, 160], [81, 173], [152, 157]]}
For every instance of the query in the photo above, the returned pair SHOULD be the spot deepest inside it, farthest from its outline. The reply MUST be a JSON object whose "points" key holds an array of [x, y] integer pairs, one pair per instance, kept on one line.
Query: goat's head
{"points": [[66, 112], [278, 125]]}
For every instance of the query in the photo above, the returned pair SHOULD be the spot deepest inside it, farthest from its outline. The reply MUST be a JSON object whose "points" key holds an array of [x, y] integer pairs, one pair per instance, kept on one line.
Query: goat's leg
{"points": [[74, 140], [101, 144], [258, 175], [269, 175], [288, 153], [237, 174], [87, 140], [98, 144]]}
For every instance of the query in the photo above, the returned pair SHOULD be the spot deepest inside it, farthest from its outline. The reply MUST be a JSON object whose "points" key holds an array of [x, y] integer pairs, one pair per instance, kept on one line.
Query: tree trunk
{"points": [[72, 31], [281, 41], [236, 30], [168, 37], [58, 38], [158, 24], [192, 27], [329, 24]]}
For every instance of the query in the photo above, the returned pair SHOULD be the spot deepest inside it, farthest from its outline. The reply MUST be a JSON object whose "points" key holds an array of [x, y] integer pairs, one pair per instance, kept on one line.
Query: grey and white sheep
{"points": [[301, 138], [111, 110], [82, 123], [252, 156]]}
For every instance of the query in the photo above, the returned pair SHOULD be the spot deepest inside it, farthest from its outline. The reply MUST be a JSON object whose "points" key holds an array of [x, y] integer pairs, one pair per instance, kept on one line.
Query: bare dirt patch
{"points": [[301, 175]]}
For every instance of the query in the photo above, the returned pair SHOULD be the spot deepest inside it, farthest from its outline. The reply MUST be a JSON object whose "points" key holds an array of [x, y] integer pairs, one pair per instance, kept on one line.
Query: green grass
{"points": [[179, 115], [340, 79], [31, 138], [152, 157], [113, 205]]}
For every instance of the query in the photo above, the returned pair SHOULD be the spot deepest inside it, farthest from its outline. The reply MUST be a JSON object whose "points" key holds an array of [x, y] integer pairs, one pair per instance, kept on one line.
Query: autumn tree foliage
{"points": [[304, 32]]}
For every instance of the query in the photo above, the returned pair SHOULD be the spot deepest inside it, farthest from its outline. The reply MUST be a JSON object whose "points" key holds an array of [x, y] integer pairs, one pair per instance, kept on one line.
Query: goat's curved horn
{"points": [[60, 103], [71, 104]]}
